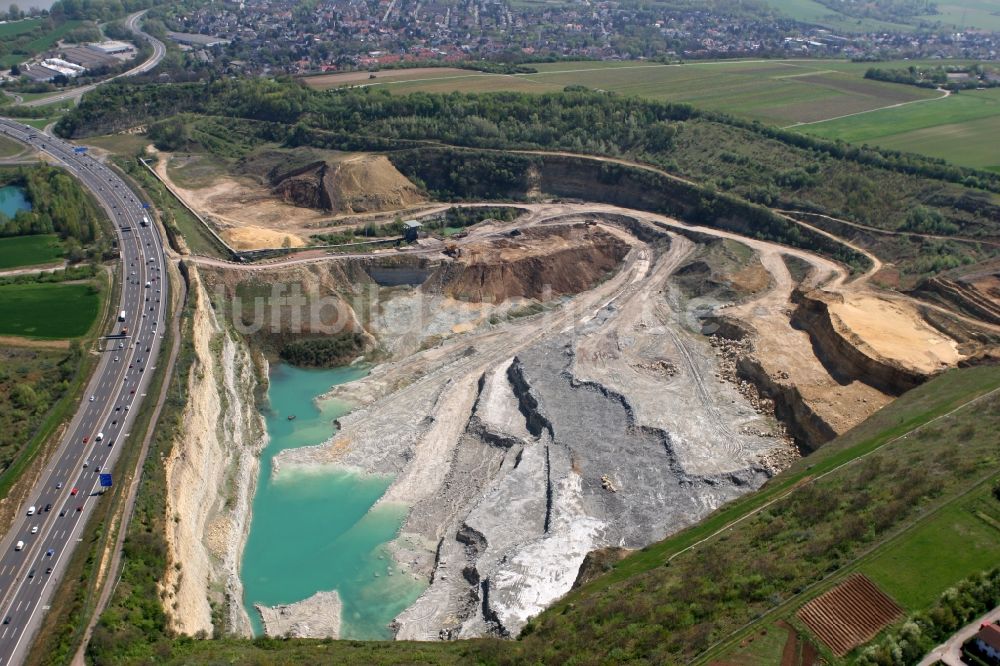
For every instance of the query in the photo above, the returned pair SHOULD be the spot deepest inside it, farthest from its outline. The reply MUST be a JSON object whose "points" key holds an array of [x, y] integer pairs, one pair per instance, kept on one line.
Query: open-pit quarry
{"points": [[581, 378]]}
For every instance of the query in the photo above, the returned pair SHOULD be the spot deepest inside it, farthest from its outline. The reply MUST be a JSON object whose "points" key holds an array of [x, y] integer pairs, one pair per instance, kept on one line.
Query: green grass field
{"points": [[779, 92], [37, 45], [952, 545], [47, 311], [9, 147], [961, 128], [19, 251], [15, 28], [37, 123], [119, 144]]}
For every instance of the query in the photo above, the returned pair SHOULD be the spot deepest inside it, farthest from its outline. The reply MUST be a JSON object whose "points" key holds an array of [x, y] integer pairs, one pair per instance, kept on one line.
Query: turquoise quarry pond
{"points": [[313, 530], [12, 199]]}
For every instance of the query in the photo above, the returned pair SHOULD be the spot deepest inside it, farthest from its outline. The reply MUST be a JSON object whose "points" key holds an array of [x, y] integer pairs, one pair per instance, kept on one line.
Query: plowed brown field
{"points": [[849, 614]]}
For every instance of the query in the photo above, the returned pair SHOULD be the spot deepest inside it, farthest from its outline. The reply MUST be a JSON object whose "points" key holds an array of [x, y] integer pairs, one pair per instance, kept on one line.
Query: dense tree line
{"points": [[325, 352], [58, 205], [97, 10], [935, 77], [466, 217], [576, 120]]}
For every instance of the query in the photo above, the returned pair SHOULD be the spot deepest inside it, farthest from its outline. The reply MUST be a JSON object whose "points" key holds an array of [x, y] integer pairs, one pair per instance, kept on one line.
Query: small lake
{"points": [[13, 199], [315, 531]]}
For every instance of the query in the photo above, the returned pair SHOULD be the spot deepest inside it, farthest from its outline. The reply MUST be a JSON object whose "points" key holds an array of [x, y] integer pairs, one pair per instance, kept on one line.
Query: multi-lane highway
{"points": [[132, 23], [50, 523]]}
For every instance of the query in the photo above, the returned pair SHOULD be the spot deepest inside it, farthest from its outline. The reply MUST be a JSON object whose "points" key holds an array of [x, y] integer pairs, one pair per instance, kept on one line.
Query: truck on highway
{"points": [[121, 317]]}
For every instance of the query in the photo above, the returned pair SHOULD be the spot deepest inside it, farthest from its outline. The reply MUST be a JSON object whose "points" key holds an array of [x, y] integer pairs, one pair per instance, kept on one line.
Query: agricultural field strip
{"points": [[527, 76], [863, 556], [946, 93], [694, 90]]}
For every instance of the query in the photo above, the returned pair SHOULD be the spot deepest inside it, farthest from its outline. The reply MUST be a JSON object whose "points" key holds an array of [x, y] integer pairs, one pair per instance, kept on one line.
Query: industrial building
{"points": [[193, 39]]}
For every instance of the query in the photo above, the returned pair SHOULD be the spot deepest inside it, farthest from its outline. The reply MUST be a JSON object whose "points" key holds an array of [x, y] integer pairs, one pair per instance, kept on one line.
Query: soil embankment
{"points": [[280, 198], [211, 474], [885, 344], [536, 264], [356, 184]]}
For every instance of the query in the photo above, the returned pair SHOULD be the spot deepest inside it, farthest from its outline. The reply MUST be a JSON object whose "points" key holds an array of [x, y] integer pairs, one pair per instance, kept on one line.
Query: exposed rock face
{"points": [[550, 443], [315, 617], [211, 474], [538, 264], [846, 355], [359, 184], [968, 296], [807, 427]]}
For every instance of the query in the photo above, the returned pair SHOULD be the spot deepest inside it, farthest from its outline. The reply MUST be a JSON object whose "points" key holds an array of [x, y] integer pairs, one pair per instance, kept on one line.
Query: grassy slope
{"points": [[9, 148], [47, 311], [617, 618], [979, 14], [41, 371], [945, 549], [810, 11], [20, 251]]}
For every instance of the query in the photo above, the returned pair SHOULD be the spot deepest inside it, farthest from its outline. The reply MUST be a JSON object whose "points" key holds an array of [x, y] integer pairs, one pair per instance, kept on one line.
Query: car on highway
{"points": [[79, 508], [74, 492], [92, 398], [59, 485], [31, 574], [48, 570], [6, 620], [85, 439], [34, 529], [50, 552]]}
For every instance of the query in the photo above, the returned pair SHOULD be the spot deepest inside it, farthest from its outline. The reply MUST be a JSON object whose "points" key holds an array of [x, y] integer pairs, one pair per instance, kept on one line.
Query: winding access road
{"points": [[35, 553], [132, 23]]}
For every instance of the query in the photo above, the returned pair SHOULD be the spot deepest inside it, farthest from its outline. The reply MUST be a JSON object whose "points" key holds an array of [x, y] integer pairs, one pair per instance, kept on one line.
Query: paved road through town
{"points": [[51, 522]]}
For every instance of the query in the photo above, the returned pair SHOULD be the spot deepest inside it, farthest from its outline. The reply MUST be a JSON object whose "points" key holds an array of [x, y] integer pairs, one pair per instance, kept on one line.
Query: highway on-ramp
{"points": [[34, 554], [132, 23]]}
